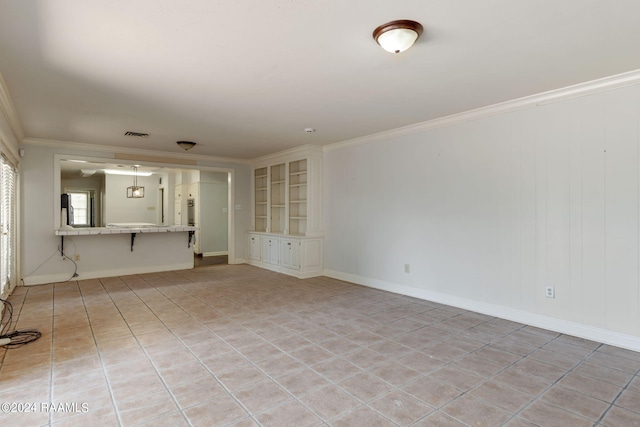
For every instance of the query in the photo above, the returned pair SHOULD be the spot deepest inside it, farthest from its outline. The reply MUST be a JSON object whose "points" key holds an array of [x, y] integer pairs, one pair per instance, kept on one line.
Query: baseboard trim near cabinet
{"points": [[64, 277], [287, 271], [580, 330], [205, 254]]}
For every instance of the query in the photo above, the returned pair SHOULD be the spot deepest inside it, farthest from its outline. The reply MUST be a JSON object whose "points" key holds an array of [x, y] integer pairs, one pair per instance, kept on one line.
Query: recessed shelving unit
{"points": [[261, 190], [287, 235], [298, 197], [278, 198]]}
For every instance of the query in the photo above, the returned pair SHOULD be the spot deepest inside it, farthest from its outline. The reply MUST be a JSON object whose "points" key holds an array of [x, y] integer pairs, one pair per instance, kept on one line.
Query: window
{"points": [[80, 203], [8, 177]]}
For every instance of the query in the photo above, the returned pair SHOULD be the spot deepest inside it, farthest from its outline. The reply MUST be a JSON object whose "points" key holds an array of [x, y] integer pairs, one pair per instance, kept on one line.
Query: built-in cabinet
{"points": [[181, 194], [298, 197], [260, 198], [296, 256], [287, 213]]}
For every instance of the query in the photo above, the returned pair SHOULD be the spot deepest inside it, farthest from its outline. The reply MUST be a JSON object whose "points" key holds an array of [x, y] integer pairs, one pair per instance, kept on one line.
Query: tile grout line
{"points": [[276, 382], [613, 402], [567, 372], [196, 356], [193, 288], [102, 363], [144, 350], [253, 416], [521, 357], [53, 340]]}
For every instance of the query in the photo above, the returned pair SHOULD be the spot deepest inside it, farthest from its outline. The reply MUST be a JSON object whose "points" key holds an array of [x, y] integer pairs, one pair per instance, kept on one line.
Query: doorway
{"points": [[206, 261], [209, 200]]}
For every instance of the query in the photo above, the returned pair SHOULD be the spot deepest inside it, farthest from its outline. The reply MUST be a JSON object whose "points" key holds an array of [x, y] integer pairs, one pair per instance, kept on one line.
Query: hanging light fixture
{"points": [[135, 191], [397, 36], [186, 145]]}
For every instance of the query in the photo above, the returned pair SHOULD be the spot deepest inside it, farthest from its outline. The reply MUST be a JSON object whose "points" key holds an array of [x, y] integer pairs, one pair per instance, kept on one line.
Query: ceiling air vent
{"points": [[137, 134]]}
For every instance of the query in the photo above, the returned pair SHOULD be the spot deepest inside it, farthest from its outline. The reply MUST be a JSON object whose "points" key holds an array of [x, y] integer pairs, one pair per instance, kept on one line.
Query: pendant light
{"points": [[135, 191]]}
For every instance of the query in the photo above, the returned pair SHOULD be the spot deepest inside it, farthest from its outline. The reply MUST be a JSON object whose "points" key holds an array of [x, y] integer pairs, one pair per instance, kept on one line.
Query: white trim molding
{"points": [[8, 110], [580, 330], [218, 253], [57, 278], [11, 132], [302, 149], [582, 89], [164, 155]]}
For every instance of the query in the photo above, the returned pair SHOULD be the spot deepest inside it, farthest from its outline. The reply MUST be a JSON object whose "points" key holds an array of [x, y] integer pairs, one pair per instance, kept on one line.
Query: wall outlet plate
{"points": [[549, 292]]}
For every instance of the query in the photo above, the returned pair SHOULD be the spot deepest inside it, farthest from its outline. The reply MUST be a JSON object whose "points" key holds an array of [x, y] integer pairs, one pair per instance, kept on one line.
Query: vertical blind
{"points": [[8, 178]]}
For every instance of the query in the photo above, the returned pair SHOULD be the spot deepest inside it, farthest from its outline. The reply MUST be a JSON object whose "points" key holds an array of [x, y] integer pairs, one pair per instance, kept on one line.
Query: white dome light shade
{"points": [[397, 36]]}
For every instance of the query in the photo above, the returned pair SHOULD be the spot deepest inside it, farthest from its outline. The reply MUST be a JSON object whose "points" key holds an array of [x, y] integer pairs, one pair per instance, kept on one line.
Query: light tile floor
{"points": [[242, 346]]}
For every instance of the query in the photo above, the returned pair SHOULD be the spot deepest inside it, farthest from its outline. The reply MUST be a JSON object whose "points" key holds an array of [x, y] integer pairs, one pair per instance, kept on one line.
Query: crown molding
{"points": [[302, 149], [130, 151], [582, 89], [8, 110]]}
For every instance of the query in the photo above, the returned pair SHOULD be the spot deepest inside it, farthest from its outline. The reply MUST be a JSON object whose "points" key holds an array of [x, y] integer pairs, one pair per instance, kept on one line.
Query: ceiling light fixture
{"points": [[397, 36], [186, 145], [135, 192]]}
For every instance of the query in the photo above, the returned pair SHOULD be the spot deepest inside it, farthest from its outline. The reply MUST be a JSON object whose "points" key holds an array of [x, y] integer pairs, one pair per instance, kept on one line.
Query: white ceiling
{"points": [[245, 78]]}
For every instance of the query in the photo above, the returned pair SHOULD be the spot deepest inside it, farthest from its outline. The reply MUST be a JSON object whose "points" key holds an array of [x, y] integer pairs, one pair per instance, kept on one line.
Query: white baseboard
{"points": [[606, 336], [55, 278], [279, 269], [215, 253]]}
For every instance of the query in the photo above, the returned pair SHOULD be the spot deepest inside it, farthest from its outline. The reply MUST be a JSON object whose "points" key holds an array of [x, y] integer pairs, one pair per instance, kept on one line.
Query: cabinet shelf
{"points": [[287, 193]]}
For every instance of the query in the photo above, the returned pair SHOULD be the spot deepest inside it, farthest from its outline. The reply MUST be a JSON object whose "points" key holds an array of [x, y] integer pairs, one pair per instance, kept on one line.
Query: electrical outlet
{"points": [[407, 268], [77, 257], [549, 292]]}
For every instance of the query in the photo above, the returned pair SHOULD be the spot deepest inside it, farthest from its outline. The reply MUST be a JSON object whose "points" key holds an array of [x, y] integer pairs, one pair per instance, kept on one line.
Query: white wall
{"points": [[488, 212], [101, 256], [211, 213], [118, 208]]}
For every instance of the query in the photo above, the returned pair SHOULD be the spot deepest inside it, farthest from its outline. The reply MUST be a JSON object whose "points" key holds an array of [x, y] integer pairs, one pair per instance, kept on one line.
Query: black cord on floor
{"points": [[75, 271], [17, 338]]}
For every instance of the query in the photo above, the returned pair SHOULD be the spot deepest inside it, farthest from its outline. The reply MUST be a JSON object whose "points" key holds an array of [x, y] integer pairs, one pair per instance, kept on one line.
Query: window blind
{"points": [[8, 177]]}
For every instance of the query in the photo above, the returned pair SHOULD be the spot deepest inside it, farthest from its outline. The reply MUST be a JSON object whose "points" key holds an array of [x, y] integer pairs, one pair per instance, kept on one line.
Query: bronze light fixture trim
{"points": [[397, 36]]}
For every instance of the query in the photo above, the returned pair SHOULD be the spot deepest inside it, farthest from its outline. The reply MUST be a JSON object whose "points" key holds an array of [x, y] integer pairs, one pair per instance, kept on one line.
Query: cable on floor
{"points": [[14, 339], [75, 271]]}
